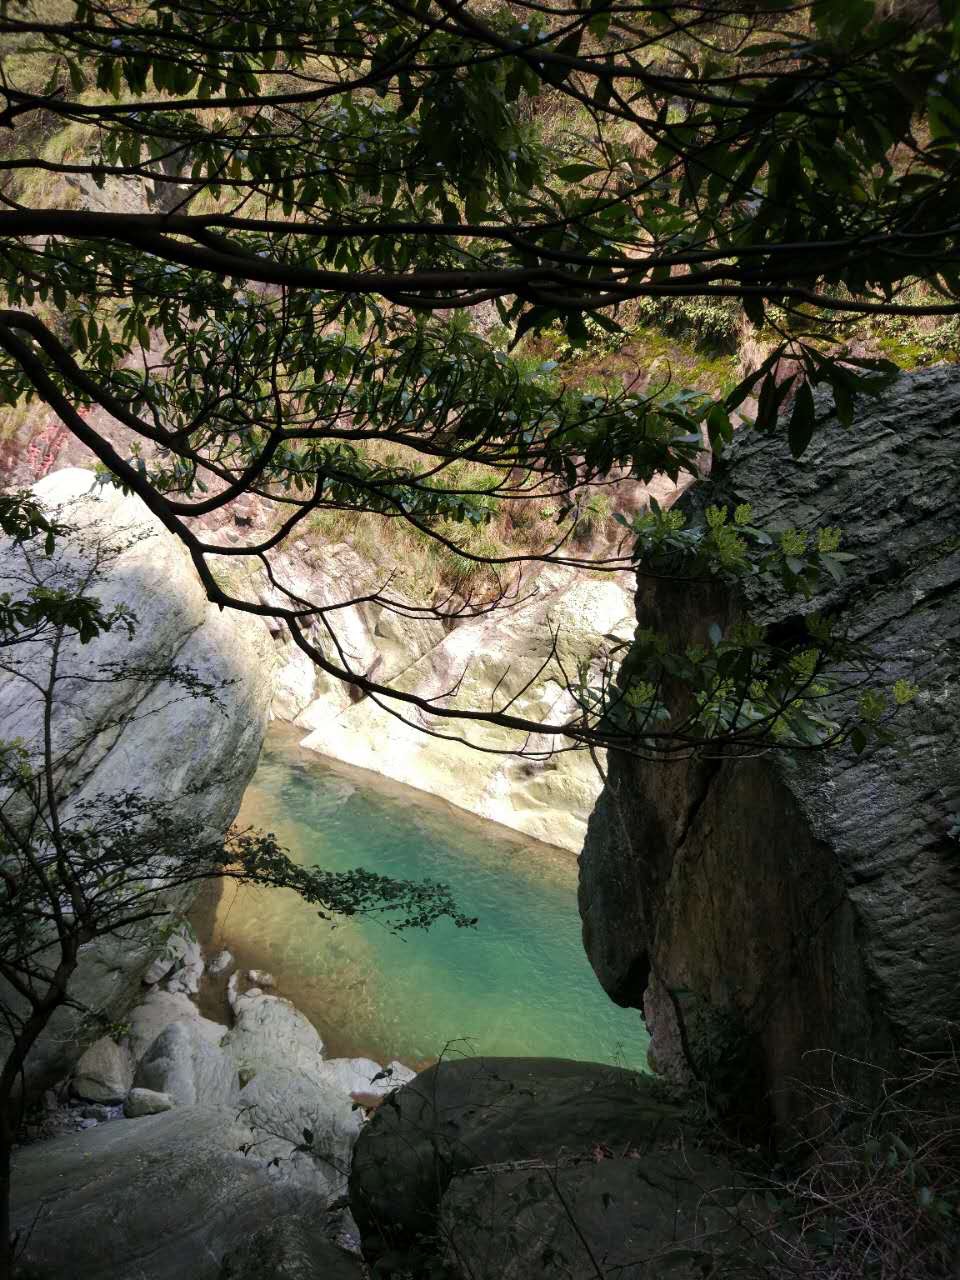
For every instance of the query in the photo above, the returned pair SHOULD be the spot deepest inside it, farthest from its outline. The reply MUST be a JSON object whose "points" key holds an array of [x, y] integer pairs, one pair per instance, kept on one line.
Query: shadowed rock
{"points": [[761, 910]]}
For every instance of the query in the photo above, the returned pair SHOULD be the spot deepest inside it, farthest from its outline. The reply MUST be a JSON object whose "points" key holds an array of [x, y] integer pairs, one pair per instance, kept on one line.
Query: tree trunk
{"points": [[6, 1243]]}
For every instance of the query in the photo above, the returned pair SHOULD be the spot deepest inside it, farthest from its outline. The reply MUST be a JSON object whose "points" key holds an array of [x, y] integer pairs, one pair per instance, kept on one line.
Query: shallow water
{"points": [[518, 983]]}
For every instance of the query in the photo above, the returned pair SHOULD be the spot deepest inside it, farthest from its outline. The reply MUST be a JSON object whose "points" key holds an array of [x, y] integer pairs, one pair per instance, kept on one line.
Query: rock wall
{"points": [[168, 743], [484, 661], [768, 913]]}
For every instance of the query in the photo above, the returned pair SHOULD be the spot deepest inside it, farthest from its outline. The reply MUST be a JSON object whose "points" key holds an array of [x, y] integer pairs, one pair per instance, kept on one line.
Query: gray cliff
{"points": [[769, 913]]}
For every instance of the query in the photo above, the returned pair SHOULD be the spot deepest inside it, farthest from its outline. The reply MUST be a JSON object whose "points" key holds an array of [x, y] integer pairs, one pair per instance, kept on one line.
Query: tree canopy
{"points": [[304, 205]]}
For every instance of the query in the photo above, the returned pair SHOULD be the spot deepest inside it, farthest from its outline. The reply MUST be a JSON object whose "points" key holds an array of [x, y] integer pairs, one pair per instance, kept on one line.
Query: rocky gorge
{"points": [[182, 1135], [782, 925]]}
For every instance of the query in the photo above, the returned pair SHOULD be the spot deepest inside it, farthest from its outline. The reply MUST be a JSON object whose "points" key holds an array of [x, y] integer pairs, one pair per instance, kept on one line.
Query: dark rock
{"points": [[98, 1112], [659, 1214], [291, 1249], [770, 913], [481, 1112]]}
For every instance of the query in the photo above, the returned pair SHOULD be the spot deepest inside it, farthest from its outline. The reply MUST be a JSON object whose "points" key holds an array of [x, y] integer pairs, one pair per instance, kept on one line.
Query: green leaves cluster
{"points": [[314, 196]]}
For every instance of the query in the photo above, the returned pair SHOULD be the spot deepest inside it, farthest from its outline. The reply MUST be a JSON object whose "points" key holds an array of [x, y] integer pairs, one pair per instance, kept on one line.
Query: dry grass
{"points": [[879, 1199]]}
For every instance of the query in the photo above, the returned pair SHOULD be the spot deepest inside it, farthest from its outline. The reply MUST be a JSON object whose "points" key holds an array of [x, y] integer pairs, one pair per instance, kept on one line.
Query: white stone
{"points": [[308, 1125], [104, 1072], [260, 978], [158, 970], [157, 1011], [269, 1032], [177, 748], [219, 963], [183, 1064], [146, 1102]]}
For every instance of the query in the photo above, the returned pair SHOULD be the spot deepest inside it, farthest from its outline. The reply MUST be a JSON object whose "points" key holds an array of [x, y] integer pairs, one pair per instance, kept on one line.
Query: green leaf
{"points": [[802, 421], [574, 172]]}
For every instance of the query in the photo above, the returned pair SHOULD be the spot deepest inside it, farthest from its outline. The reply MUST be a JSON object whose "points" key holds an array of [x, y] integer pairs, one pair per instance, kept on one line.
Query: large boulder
{"points": [[269, 1032], [306, 1126], [508, 1166], [156, 1011], [104, 1072], [136, 735], [647, 1215], [768, 914], [292, 1249], [182, 1063], [161, 1197]]}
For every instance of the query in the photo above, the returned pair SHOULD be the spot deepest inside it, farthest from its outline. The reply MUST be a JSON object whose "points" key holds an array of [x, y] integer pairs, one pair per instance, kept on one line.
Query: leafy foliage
{"points": [[308, 201]]}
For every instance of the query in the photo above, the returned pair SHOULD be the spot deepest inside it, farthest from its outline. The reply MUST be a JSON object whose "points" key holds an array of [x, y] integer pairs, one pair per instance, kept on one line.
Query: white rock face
{"points": [[104, 1072], [490, 658], [182, 1063], [363, 1076], [260, 978], [270, 1033], [147, 1102], [173, 743], [157, 1011], [220, 962], [306, 1123]]}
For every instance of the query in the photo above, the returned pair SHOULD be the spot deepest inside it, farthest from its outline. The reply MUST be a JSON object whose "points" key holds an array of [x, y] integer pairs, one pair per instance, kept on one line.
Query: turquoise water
{"points": [[518, 983]]}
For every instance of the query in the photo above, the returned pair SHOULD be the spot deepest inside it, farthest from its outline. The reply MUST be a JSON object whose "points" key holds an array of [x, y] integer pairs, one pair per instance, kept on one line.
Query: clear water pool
{"points": [[518, 983]]}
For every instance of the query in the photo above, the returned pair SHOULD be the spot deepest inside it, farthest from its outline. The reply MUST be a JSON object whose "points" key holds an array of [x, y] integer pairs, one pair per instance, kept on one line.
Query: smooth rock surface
{"points": [[163, 1197], [292, 1249], [479, 1112], [182, 1063], [147, 1102], [104, 1072], [172, 744], [157, 1010], [806, 904], [547, 798]]}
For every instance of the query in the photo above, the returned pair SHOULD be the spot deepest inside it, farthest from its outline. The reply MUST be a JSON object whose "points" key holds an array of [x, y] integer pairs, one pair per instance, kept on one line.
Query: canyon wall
{"points": [[768, 914], [478, 663], [137, 735]]}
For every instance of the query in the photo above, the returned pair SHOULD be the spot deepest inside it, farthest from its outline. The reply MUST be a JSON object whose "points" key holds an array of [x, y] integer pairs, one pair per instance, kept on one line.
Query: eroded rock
{"points": [[768, 914], [156, 1011], [549, 798], [269, 1032]]}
